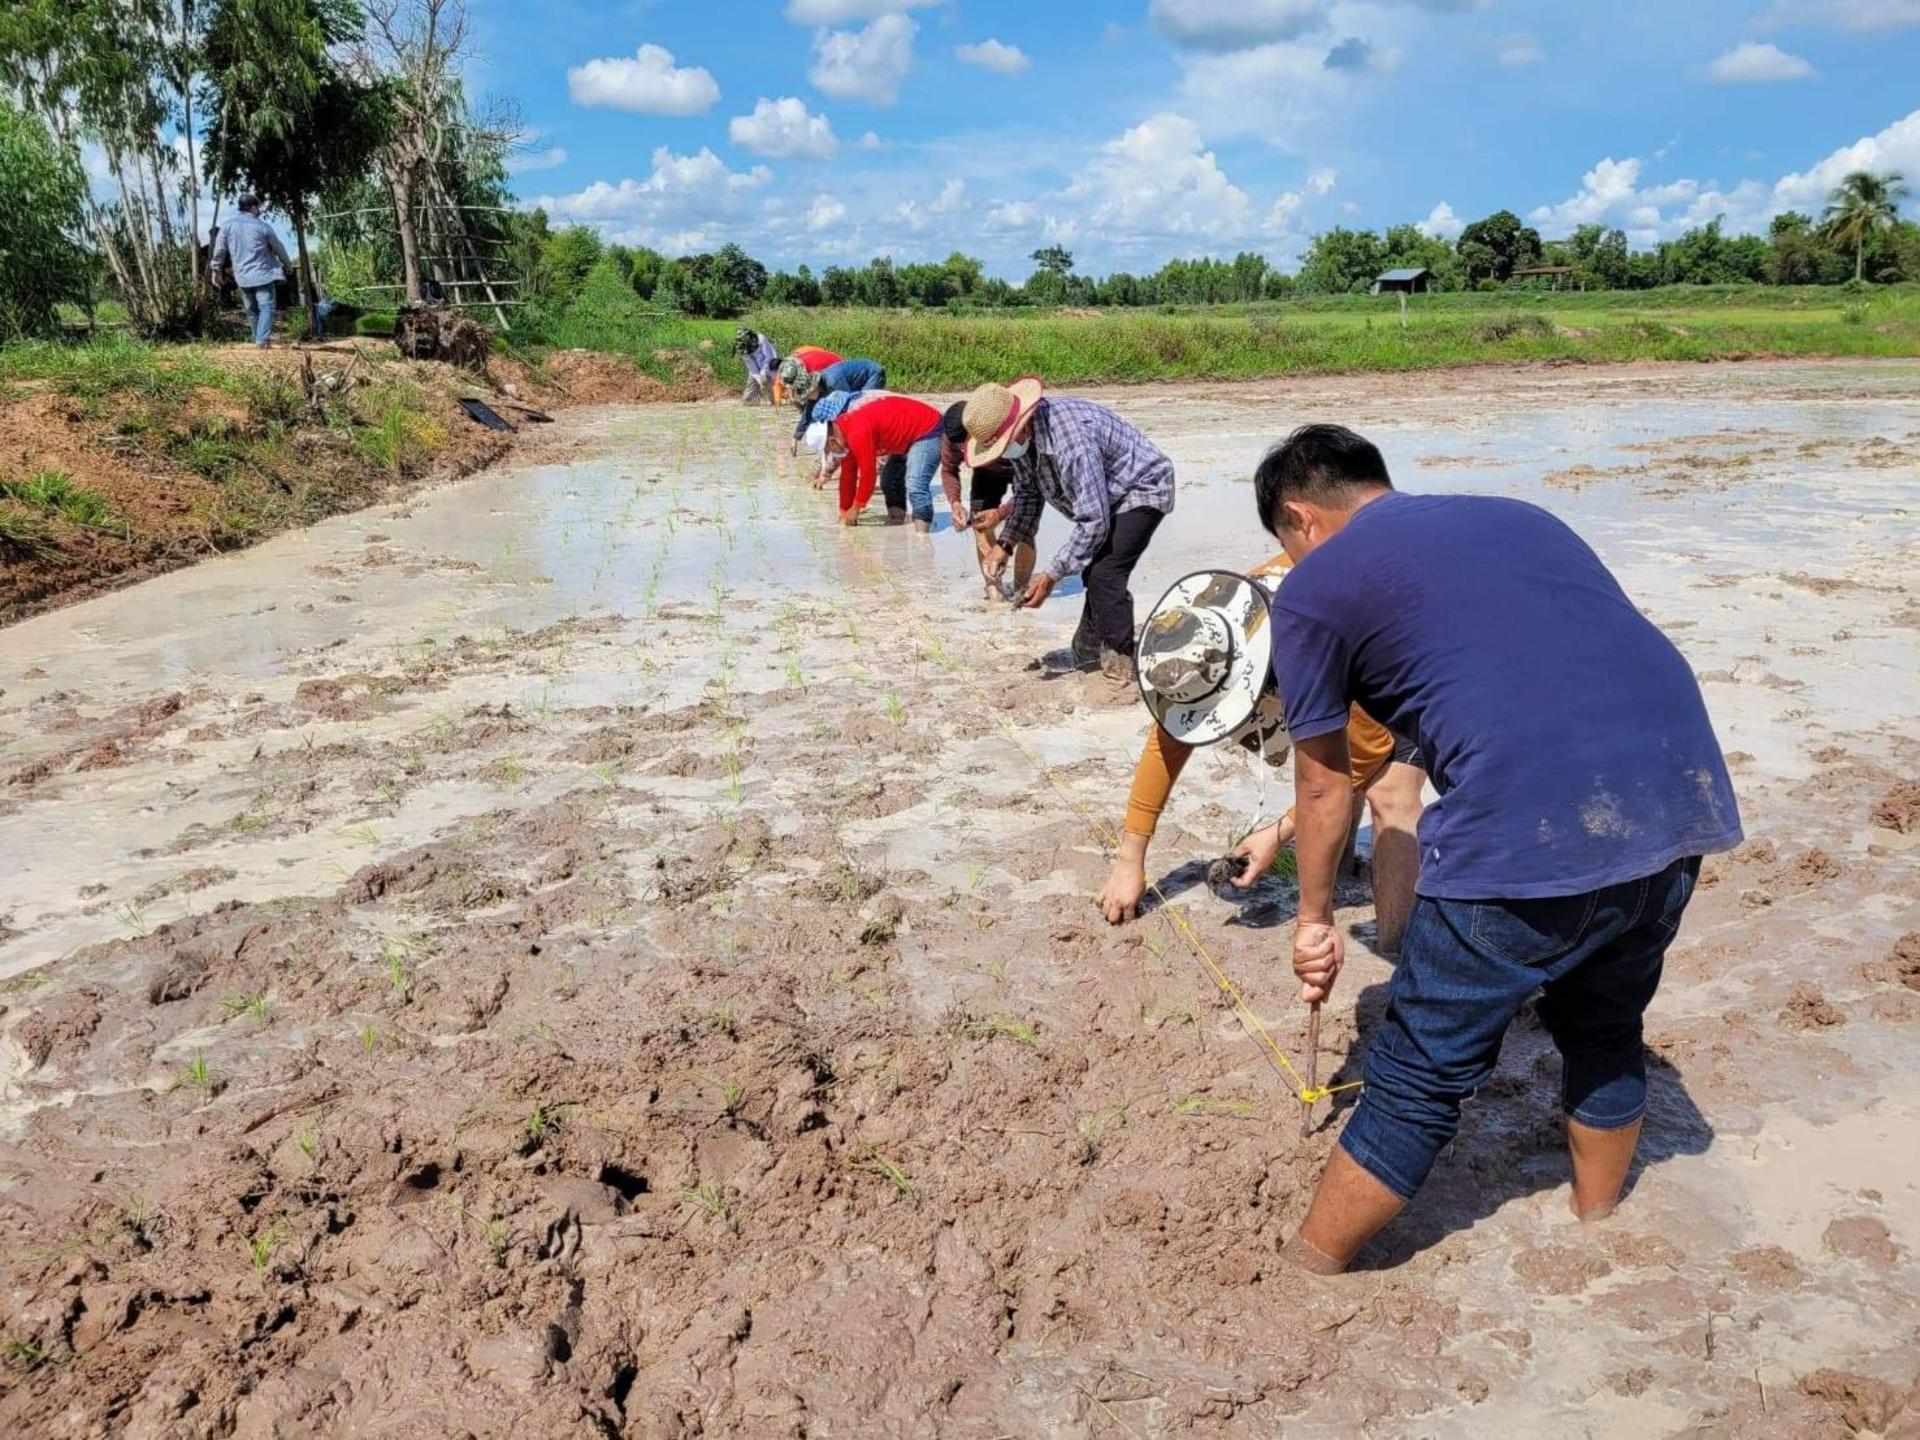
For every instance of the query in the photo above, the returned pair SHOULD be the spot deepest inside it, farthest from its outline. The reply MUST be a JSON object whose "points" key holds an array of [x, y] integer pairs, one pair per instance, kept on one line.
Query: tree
{"points": [[111, 73], [1340, 260], [1053, 259], [40, 195], [1408, 247], [1493, 248], [1860, 205], [285, 120]]}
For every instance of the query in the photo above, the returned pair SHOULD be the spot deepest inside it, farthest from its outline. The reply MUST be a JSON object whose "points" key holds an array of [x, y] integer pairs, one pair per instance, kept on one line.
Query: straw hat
{"points": [[1205, 662], [993, 413]]}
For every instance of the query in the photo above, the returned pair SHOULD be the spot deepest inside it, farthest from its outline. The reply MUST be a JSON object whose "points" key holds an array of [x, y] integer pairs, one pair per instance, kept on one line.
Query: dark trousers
{"points": [[1108, 615], [893, 481], [1467, 966]]}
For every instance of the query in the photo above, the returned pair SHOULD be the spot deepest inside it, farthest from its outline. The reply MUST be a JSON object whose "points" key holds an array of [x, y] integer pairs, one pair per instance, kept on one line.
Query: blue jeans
{"points": [[923, 462], [1467, 966], [258, 300]]}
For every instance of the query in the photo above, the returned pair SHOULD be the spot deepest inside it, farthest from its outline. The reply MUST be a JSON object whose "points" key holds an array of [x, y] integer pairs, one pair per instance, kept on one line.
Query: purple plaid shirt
{"points": [[1090, 465]]}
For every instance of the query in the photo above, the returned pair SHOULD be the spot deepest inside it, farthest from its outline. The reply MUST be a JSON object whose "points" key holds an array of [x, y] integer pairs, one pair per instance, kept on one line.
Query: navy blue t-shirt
{"points": [[1563, 731]]}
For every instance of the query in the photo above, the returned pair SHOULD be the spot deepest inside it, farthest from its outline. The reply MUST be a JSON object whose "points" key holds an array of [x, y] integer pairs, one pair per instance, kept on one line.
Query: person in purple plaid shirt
{"points": [[1097, 470]]}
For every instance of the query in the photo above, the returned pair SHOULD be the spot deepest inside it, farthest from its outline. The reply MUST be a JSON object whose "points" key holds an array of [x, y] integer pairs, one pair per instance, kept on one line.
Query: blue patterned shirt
{"points": [[1090, 465]]}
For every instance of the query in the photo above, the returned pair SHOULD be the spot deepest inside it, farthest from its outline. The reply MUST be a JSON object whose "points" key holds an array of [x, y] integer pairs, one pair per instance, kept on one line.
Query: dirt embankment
{"points": [[156, 458]]}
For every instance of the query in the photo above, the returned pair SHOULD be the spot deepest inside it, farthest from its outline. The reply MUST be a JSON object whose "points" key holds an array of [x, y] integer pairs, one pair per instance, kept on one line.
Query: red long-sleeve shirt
{"points": [[815, 358], [879, 427]]}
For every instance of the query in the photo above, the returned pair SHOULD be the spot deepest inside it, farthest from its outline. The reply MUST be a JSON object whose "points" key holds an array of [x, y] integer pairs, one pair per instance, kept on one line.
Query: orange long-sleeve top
{"points": [[1370, 748], [880, 427]]}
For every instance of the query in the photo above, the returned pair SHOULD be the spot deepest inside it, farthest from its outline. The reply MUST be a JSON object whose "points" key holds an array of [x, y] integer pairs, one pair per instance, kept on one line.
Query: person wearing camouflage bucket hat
{"points": [[1205, 675]]}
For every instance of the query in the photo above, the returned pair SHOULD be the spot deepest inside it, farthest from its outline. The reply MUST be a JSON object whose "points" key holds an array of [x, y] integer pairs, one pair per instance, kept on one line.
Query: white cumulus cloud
{"points": [[1757, 63], [866, 64], [1236, 24], [825, 213], [1322, 180], [784, 129], [1612, 192], [994, 55], [1159, 179], [1441, 223], [681, 205], [648, 84]]}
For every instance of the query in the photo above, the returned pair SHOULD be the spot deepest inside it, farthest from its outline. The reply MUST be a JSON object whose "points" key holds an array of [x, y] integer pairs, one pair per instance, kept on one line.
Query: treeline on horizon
{"points": [[1799, 249]]}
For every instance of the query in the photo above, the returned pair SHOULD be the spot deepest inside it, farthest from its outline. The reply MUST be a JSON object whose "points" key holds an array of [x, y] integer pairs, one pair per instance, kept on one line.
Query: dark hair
{"points": [[954, 422], [1322, 464], [249, 203]]}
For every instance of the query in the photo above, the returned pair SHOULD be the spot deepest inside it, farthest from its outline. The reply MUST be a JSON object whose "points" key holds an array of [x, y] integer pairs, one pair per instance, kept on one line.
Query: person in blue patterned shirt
{"points": [[1093, 467]]}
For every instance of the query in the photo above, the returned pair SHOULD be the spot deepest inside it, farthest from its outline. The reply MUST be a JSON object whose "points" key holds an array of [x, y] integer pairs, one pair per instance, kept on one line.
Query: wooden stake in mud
{"points": [[1313, 1067]]}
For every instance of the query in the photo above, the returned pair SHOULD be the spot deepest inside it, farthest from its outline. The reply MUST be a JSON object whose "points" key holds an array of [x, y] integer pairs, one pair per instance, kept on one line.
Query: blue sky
{"points": [[833, 130]]}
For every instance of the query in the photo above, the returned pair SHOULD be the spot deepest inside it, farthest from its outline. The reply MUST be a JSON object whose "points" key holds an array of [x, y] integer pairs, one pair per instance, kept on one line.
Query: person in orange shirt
{"points": [[1386, 775]]}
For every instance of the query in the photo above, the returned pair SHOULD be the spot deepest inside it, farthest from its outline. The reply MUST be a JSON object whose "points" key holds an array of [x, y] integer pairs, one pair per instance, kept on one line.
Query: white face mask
{"points": [[1014, 451]]}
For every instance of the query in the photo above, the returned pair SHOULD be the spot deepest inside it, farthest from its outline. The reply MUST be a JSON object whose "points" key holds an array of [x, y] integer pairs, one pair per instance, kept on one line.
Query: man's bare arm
{"points": [[1323, 813]]}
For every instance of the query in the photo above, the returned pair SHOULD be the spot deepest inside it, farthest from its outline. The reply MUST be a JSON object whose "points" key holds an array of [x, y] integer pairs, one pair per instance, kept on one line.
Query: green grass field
{"points": [[938, 350]]}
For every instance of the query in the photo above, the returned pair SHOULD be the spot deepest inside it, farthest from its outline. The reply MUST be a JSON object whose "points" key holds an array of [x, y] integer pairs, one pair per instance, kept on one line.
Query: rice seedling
{"points": [[896, 711], [542, 1122], [394, 955], [1206, 1105], [1011, 1026], [133, 916], [607, 773], [260, 1248], [369, 1038], [796, 677], [21, 1355], [709, 1197], [872, 1162], [499, 1239], [975, 874], [308, 1143], [239, 1004], [362, 835], [198, 1076]]}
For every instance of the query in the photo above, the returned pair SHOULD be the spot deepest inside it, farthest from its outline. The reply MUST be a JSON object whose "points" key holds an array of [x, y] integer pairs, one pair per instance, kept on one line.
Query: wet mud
{"points": [[615, 974]]}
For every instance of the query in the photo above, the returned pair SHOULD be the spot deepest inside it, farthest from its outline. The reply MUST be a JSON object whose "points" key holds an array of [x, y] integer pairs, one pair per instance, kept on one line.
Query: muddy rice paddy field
{"points": [[598, 951]]}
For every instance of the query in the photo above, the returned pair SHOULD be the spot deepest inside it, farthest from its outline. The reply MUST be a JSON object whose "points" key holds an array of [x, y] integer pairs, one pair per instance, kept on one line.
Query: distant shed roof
{"points": [[1401, 276]]}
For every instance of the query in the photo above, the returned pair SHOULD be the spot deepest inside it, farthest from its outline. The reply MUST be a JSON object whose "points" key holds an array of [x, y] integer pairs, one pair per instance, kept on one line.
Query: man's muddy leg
{"points": [[1394, 800]]}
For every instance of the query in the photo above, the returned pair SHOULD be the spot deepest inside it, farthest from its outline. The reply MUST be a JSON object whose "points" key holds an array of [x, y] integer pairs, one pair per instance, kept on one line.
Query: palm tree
{"points": [[1859, 205]]}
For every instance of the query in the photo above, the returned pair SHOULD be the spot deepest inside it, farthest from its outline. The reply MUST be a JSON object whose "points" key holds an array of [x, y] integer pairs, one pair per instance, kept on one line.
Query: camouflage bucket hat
{"points": [[1205, 662]]}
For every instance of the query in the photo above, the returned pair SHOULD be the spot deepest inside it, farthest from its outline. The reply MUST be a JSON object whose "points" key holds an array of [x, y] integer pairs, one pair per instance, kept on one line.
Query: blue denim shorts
{"points": [[1467, 966]]}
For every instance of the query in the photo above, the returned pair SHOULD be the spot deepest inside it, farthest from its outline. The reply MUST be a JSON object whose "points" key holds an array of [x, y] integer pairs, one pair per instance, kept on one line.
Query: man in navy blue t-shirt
{"points": [[1579, 784]]}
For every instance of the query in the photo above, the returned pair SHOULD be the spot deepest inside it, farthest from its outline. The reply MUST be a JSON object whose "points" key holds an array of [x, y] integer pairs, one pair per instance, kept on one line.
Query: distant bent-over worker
{"points": [[985, 510], [1476, 626], [1103, 475], [258, 261], [851, 376], [892, 425], [760, 357]]}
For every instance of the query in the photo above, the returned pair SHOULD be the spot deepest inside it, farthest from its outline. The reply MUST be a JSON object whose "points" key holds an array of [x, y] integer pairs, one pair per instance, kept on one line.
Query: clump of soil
{"points": [[1899, 808], [1808, 1009], [1901, 965], [1863, 1402], [1862, 1237]]}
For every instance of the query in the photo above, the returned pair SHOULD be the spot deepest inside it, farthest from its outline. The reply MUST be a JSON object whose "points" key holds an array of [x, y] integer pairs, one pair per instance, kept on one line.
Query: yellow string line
{"points": [[1104, 836]]}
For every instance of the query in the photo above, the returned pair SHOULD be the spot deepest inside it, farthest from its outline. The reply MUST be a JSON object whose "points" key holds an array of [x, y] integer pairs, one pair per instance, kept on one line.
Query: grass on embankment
{"points": [[120, 456], [937, 350]]}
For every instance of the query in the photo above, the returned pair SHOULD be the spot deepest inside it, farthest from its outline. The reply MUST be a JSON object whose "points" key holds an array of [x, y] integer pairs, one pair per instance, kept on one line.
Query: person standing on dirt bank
{"points": [[1480, 627], [258, 261], [1385, 770], [988, 509], [1098, 471]]}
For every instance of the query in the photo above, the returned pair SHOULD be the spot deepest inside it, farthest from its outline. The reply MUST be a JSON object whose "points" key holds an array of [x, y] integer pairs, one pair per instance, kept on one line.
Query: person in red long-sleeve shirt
{"points": [[895, 425]]}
